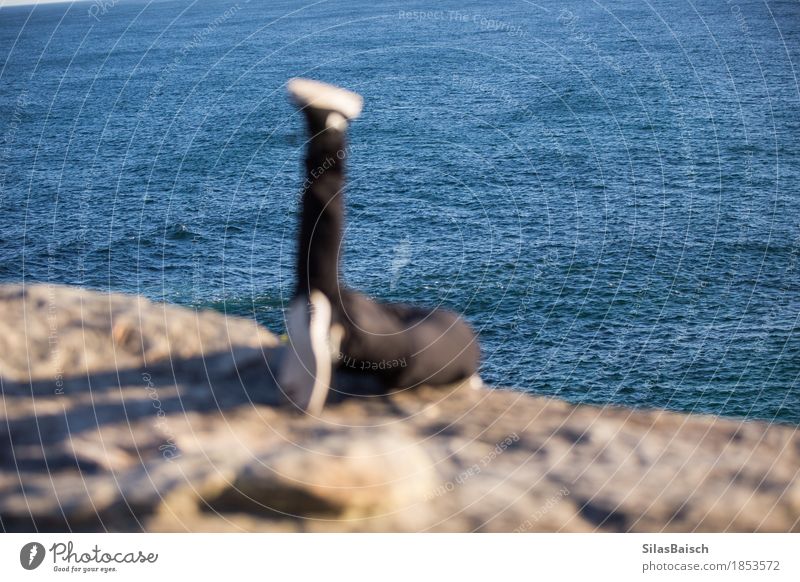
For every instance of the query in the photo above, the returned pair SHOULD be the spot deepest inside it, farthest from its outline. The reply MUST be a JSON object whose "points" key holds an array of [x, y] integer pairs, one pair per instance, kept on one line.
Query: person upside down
{"points": [[331, 327]]}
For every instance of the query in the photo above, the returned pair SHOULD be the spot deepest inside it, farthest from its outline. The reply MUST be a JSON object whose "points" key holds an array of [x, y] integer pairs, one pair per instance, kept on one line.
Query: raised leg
{"points": [[306, 370], [327, 110]]}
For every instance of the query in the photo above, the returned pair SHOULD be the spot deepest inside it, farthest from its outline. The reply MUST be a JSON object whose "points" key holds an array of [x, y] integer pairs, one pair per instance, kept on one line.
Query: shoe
{"points": [[475, 382], [342, 105], [306, 368]]}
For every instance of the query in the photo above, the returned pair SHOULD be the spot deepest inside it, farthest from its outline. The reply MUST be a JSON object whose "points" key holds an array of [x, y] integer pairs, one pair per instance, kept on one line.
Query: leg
{"points": [[322, 214], [306, 369]]}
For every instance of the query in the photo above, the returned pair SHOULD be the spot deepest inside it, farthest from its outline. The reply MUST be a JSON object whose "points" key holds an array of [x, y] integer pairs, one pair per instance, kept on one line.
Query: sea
{"points": [[608, 191]]}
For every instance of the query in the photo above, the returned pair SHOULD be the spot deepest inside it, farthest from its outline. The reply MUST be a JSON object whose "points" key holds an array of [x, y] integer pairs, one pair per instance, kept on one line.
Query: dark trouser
{"points": [[402, 346]]}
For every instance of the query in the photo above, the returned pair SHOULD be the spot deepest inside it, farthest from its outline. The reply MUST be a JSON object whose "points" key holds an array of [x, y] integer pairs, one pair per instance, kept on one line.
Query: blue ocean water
{"points": [[609, 192]]}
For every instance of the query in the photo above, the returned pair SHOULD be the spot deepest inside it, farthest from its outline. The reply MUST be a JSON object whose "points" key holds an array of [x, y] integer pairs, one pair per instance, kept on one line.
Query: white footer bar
{"points": [[401, 557]]}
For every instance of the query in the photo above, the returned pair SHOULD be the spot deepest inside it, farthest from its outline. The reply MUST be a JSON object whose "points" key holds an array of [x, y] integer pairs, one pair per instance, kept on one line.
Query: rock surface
{"points": [[124, 415]]}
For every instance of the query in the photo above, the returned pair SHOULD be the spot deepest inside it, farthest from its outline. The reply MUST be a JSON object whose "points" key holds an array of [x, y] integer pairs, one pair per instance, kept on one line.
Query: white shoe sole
{"points": [[310, 93], [306, 369]]}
